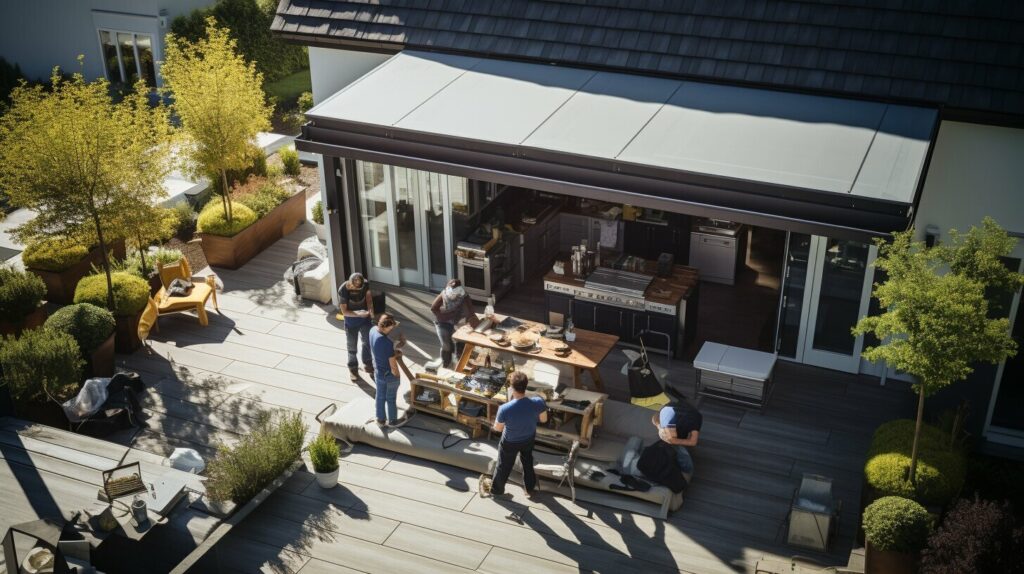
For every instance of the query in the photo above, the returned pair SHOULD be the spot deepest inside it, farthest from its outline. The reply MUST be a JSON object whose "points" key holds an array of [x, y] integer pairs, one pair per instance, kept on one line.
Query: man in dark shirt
{"points": [[679, 425], [517, 422], [357, 307], [449, 307]]}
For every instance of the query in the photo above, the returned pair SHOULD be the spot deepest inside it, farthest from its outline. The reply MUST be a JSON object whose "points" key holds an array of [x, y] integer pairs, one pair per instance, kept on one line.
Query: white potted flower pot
{"points": [[327, 479], [324, 453]]}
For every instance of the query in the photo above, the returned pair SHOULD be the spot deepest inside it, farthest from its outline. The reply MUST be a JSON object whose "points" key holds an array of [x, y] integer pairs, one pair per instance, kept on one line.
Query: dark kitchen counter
{"points": [[664, 290]]}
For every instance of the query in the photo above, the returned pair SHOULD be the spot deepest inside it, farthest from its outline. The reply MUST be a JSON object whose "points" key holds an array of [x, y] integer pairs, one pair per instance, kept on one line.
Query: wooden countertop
{"points": [[665, 290], [588, 350]]}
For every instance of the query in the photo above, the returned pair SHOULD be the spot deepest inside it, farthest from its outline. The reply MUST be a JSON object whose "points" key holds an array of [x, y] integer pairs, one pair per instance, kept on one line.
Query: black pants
{"points": [[507, 452]]}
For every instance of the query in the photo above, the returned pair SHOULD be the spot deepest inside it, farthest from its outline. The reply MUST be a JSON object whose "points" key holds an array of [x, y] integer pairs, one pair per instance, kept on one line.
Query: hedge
{"points": [[131, 292], [41, 365], [239, 472], [260, 195], [53, 254], [88, 324], [20, 294], [940, 468], [896, 524], [212, 220]]}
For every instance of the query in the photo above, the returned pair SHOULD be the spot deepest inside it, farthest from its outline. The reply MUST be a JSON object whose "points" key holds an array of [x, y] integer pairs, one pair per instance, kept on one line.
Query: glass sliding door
{"points": [[787, 341], [1006, 412], [407, 187], [376, 219]]}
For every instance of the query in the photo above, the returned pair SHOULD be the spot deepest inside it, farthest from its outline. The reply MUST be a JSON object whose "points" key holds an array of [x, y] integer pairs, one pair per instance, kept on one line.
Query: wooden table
{"points": [[587, 351]]}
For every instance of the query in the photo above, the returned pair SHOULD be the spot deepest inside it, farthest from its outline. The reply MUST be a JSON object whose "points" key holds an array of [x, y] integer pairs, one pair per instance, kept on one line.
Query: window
{"points": [[127, 57]]}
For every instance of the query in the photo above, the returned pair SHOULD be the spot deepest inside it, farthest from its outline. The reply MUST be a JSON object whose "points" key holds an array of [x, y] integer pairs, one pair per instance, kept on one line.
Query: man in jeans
{"points": [[356, 307], [449, 307], [517, 422], [679, 425], [385, 362]]}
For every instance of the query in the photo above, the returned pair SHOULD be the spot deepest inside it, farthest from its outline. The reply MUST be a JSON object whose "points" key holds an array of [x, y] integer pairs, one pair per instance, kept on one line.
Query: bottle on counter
{"points": [[489, 309]]}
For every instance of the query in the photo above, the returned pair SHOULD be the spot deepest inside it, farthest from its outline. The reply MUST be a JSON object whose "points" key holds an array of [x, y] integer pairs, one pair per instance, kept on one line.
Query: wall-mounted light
{"points": [[931, 235], [162, 17]]}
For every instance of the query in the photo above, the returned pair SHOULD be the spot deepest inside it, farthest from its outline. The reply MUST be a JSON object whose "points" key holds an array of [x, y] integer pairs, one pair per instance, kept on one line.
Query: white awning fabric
{"points": [[858, 148]]}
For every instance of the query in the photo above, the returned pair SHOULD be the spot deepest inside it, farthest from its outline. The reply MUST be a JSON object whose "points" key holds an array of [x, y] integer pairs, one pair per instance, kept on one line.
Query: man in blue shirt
{"points": [[517, 422], [385, 362], [679, 425], [356, 304]]}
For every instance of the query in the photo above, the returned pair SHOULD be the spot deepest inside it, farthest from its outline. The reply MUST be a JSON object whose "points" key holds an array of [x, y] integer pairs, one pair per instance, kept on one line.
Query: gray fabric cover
{"points": [[425, 436]]}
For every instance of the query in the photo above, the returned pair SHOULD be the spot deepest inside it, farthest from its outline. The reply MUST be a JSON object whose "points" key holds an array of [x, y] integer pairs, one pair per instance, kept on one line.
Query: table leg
{"points": [[594, 374], [467, 354], [586, 428], [576, 383]]}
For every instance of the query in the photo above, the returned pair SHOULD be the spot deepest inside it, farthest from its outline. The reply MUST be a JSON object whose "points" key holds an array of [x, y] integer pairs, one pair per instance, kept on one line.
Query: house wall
{"points": [[40, 34], [975, 171], [332, 70]]}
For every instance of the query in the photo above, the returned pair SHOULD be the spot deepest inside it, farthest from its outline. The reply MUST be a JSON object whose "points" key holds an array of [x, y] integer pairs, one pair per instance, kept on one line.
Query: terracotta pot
{"points": [[889, 562], [60, 286], [126, 333], [101, 362], [31, 321], [234, 252]]}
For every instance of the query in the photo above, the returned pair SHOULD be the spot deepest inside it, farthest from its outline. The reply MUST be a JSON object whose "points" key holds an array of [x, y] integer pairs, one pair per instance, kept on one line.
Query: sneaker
{"points": [[501, 496], [382, 423], [368, 369], [353, 372], [398, 422], [533, 494]]}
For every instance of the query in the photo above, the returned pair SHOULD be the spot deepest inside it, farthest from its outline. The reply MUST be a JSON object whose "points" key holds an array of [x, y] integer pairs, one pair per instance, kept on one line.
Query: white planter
{"points": [[321, 231], [327, 479]]}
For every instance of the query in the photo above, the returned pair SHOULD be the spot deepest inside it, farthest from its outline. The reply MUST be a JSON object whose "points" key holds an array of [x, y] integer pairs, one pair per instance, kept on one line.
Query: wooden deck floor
{"points": [[398, 514]]}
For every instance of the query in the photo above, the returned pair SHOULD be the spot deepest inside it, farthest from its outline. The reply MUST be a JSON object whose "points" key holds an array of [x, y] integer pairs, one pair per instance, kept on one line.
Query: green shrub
{"points": [[318, 212], [257, 161], [88, 324], [275, 171], [940, 468], [290, 160], [239, 472], [42, 364], [186, 220], [324, 453], [897, 524], [54, 255], [131, 292], [305, 102], [260, 195], [21, 293], [212, 220]]}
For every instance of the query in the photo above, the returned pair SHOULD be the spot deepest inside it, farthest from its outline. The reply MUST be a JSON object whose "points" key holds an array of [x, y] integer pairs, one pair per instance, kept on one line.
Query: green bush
{"points": [[940, 468], [54, 255], [132, 263], [21, 293], [212, 220], [131, 292], [257, 161], [324, 453], [88, 324], [897, 524], [239, 472], [186, 220], [42, 364], [290, 160], [318, 212], [305, 102], [260, 195]]}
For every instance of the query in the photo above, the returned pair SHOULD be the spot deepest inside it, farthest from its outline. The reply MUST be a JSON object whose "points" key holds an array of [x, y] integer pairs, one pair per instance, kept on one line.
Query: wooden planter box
{"points": [[60, 286], [233, 252], [126, 333], [31, 321], [101, 362], [888, 562]]}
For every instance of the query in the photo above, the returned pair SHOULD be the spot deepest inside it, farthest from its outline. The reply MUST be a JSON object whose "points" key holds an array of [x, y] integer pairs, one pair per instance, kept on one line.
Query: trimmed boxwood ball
{"points": [[940, 468], [20, 294], [53, 255], [131, 292], [896, 524], [88, 324], [212, 220]]}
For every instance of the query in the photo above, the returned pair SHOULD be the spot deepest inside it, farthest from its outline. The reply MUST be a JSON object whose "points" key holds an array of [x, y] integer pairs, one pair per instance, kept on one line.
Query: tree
{"points": [[219, 99], [935, 323], [146, 226], [80, 161]]}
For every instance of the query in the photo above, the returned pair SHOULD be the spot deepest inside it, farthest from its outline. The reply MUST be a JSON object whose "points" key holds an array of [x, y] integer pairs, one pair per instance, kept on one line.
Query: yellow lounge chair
{"points": [[195, 301]]}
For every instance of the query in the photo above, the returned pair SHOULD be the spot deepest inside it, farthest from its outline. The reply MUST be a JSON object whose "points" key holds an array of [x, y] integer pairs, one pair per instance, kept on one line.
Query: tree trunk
{"points": [[226, 195], [142, 256], [105, 259], [917, 433]]}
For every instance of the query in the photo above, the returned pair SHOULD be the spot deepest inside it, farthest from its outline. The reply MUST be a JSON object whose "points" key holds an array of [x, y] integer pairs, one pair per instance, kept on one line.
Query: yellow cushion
{"points": [[654, 403]]}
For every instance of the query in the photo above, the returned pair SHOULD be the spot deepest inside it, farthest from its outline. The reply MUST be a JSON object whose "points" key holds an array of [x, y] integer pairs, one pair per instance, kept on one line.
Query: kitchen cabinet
{"points": [[557, 303], [574, 228], [649, 240], [608, 319], [540, 246], [584, 314]]}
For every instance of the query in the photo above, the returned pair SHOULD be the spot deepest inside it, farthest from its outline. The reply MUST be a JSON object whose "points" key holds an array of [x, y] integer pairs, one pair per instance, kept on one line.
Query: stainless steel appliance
{"points": [[484, 271], [615, 287], [717, 248]]}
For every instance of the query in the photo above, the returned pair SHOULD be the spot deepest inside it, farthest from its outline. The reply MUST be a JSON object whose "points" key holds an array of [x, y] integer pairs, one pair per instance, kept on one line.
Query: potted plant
{"points": [[239, 472], [93, 329], [61, 264], [324, 453], [896, 529], [42, 368], [21, 294], [131, 294], [318, 220]]}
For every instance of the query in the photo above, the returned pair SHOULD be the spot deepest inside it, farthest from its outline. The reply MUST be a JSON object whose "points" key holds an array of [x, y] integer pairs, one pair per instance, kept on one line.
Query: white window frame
{"points": [[120, 60]]}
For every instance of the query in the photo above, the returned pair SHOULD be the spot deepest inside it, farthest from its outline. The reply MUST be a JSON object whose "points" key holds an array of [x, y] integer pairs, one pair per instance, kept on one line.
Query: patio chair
{"points": [[813, 514], [203, 288]]}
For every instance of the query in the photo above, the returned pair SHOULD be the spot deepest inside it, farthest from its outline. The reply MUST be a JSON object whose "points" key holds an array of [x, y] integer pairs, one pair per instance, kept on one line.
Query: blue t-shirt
{"points": [[520, 417], [383, 349], [683, 417]]}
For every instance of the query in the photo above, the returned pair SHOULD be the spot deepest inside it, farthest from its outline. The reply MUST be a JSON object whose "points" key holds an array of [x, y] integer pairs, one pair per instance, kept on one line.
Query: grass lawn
{"points": [[288, 88]]}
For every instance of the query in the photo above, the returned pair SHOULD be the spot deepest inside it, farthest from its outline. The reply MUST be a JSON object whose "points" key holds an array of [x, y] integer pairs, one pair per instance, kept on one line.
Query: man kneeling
{"points": [[517, 422]]}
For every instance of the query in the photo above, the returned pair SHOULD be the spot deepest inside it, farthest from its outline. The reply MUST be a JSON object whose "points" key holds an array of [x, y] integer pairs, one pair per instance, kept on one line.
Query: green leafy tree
{"points": [[936, 325], [219, 100], [80, 161]]}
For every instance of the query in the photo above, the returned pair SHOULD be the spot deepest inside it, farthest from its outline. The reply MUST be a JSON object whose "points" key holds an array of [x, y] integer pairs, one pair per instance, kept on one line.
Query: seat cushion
{"points": [[315, 284], [198, 296]]}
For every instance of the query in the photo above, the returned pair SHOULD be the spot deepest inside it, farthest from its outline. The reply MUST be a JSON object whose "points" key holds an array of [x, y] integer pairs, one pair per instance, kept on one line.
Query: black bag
{"points": [[179, 288], [658, 462]]}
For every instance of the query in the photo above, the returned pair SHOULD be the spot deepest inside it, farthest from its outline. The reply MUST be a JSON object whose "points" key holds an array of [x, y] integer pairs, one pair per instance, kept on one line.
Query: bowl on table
{"points": [[524, 341]]}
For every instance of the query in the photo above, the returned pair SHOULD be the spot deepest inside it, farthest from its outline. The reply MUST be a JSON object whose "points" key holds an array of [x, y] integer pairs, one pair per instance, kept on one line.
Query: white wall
{"points": [[332, 70], [975, 171]]}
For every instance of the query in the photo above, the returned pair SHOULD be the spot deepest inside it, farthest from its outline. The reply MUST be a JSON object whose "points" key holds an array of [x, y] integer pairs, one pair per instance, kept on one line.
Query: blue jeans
{"points": [[352, 335], [684, 459], [387, 395], [444, 335]]}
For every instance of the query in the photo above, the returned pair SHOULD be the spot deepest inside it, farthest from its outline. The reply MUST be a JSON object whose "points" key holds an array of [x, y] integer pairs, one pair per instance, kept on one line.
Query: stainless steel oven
{"points": [[475, 274]]}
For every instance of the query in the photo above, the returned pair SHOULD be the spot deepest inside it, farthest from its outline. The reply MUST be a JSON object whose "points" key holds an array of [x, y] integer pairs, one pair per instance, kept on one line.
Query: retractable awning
{"points": [[796, 161]]}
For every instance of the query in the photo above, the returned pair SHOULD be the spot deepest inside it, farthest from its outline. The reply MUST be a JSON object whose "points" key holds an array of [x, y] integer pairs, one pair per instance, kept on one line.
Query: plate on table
{"points": [[524, 341]]}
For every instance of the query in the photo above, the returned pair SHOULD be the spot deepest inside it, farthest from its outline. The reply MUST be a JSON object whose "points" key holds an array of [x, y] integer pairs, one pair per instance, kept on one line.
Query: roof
{"points": [[964, 55], [843, 153]]}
